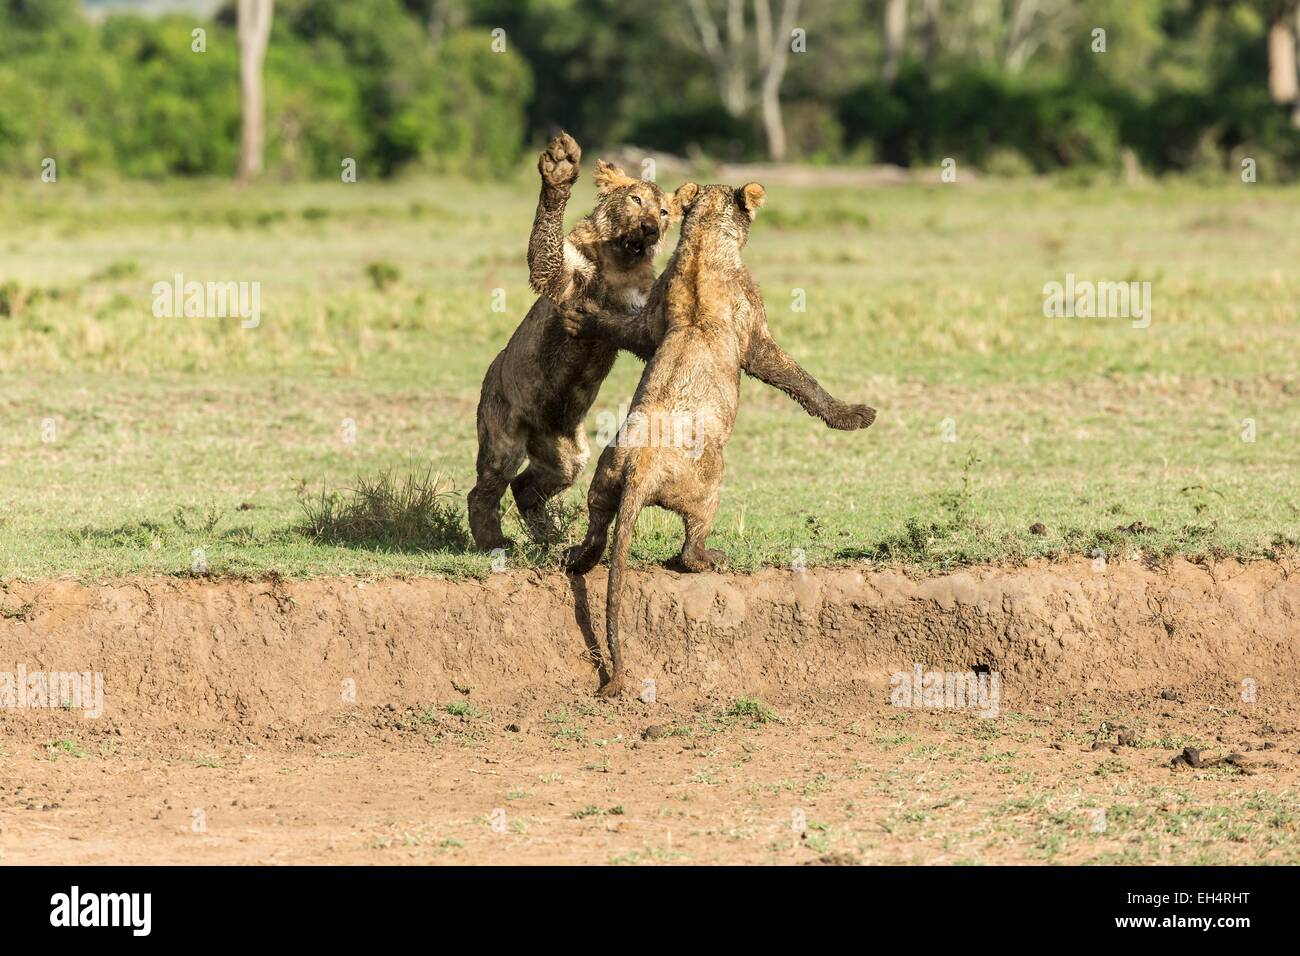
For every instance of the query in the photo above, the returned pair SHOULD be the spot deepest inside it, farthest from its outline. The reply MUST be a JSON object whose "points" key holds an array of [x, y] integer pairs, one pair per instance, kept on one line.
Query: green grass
{"points": [[461, 708], [412, 512], [751, 708], [131, 444], [70, 748]]}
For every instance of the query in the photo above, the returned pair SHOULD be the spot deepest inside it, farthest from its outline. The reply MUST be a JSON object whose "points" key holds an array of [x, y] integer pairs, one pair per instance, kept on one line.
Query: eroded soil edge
{"points": [[193, 652]]}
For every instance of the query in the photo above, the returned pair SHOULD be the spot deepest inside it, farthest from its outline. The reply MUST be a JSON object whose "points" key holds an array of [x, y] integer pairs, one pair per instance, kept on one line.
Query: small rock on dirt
{"points": [[1192, 756], [656, 732], [1127, 738]]}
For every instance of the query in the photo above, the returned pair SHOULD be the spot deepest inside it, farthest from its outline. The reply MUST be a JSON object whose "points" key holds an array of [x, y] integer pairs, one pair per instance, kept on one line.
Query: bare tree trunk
{"points": [[1283, 79], [737, 93], [763, 32], [728, 60], [1020, 42], [895, 38], [254, 33], [445, 17], [1295, 51], [932, 15], [773, 123], [437, 22], [738, 67], [985, 23], [1281, 61], [1282, 85]]}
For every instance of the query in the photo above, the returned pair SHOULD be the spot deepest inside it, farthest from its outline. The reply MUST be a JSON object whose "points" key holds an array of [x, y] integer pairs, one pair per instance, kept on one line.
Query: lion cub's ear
{"points": [[683, 198], [609, 177], [749, 197]]}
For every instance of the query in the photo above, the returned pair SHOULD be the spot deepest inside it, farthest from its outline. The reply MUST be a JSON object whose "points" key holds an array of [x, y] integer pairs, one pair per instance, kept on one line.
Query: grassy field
{"points": [[128, 441]]}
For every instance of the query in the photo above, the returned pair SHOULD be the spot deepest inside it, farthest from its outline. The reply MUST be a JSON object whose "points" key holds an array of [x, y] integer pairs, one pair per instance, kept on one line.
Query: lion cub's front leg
{"points": [[632, 332], [548, 273]]}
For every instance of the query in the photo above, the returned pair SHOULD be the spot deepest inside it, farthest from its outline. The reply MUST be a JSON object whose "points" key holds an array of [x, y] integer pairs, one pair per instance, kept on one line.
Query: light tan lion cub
{"points": [[708, 314]]}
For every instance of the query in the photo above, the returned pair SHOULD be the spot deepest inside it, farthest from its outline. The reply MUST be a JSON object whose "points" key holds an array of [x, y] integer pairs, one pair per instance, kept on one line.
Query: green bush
{"points": [[974, 115], [1183, 86], [356, 79]]}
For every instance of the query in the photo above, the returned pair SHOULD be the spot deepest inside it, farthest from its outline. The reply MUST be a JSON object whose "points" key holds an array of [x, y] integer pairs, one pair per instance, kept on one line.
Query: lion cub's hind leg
{"points": [[554, 464], [500, 453], [698, 517]]}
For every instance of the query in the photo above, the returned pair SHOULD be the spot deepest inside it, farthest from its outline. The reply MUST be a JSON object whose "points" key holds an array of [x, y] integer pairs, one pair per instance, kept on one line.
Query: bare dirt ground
{"points": [[431, 721]]}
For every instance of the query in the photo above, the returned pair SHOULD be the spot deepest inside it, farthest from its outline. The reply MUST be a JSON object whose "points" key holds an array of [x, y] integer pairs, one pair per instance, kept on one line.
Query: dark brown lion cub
{"points": [[712, 320]]}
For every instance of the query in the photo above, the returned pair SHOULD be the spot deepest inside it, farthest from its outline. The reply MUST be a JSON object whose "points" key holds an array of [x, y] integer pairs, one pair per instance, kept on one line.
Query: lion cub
{"points": [[708, 304]]}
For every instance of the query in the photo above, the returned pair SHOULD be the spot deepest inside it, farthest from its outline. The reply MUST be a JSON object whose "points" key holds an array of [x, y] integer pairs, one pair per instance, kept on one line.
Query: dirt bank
{"points": [[196, 651]]}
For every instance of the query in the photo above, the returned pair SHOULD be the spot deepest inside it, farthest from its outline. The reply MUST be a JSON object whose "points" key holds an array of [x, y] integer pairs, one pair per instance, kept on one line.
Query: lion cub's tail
{"points": [[629, 509]]}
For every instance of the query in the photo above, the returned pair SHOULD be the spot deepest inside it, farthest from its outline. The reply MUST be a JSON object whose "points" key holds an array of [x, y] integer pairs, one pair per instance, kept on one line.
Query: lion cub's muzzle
{"points": [[641, 241]]}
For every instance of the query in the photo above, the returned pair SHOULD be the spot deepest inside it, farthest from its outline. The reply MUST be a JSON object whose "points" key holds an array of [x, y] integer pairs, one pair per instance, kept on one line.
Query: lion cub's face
{"points": [[632, 214]]}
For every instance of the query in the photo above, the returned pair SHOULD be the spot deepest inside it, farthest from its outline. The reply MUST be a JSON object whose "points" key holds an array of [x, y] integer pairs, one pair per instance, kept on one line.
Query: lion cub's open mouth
{"points": [[634, 248]]}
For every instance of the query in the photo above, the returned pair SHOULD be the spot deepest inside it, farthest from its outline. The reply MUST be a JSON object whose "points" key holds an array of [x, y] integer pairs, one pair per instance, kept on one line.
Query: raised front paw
{"points": [[851, 417], [558, 163]]}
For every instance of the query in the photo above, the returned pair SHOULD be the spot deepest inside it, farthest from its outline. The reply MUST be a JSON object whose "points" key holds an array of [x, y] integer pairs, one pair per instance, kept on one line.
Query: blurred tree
{"points": [[254, 33], [1283, 81], [773, 55], [28, 19], [895, 38], [440, 17], [174, 112], [736, 66], [1032, 22], [1184, 85], [932, 12]]}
